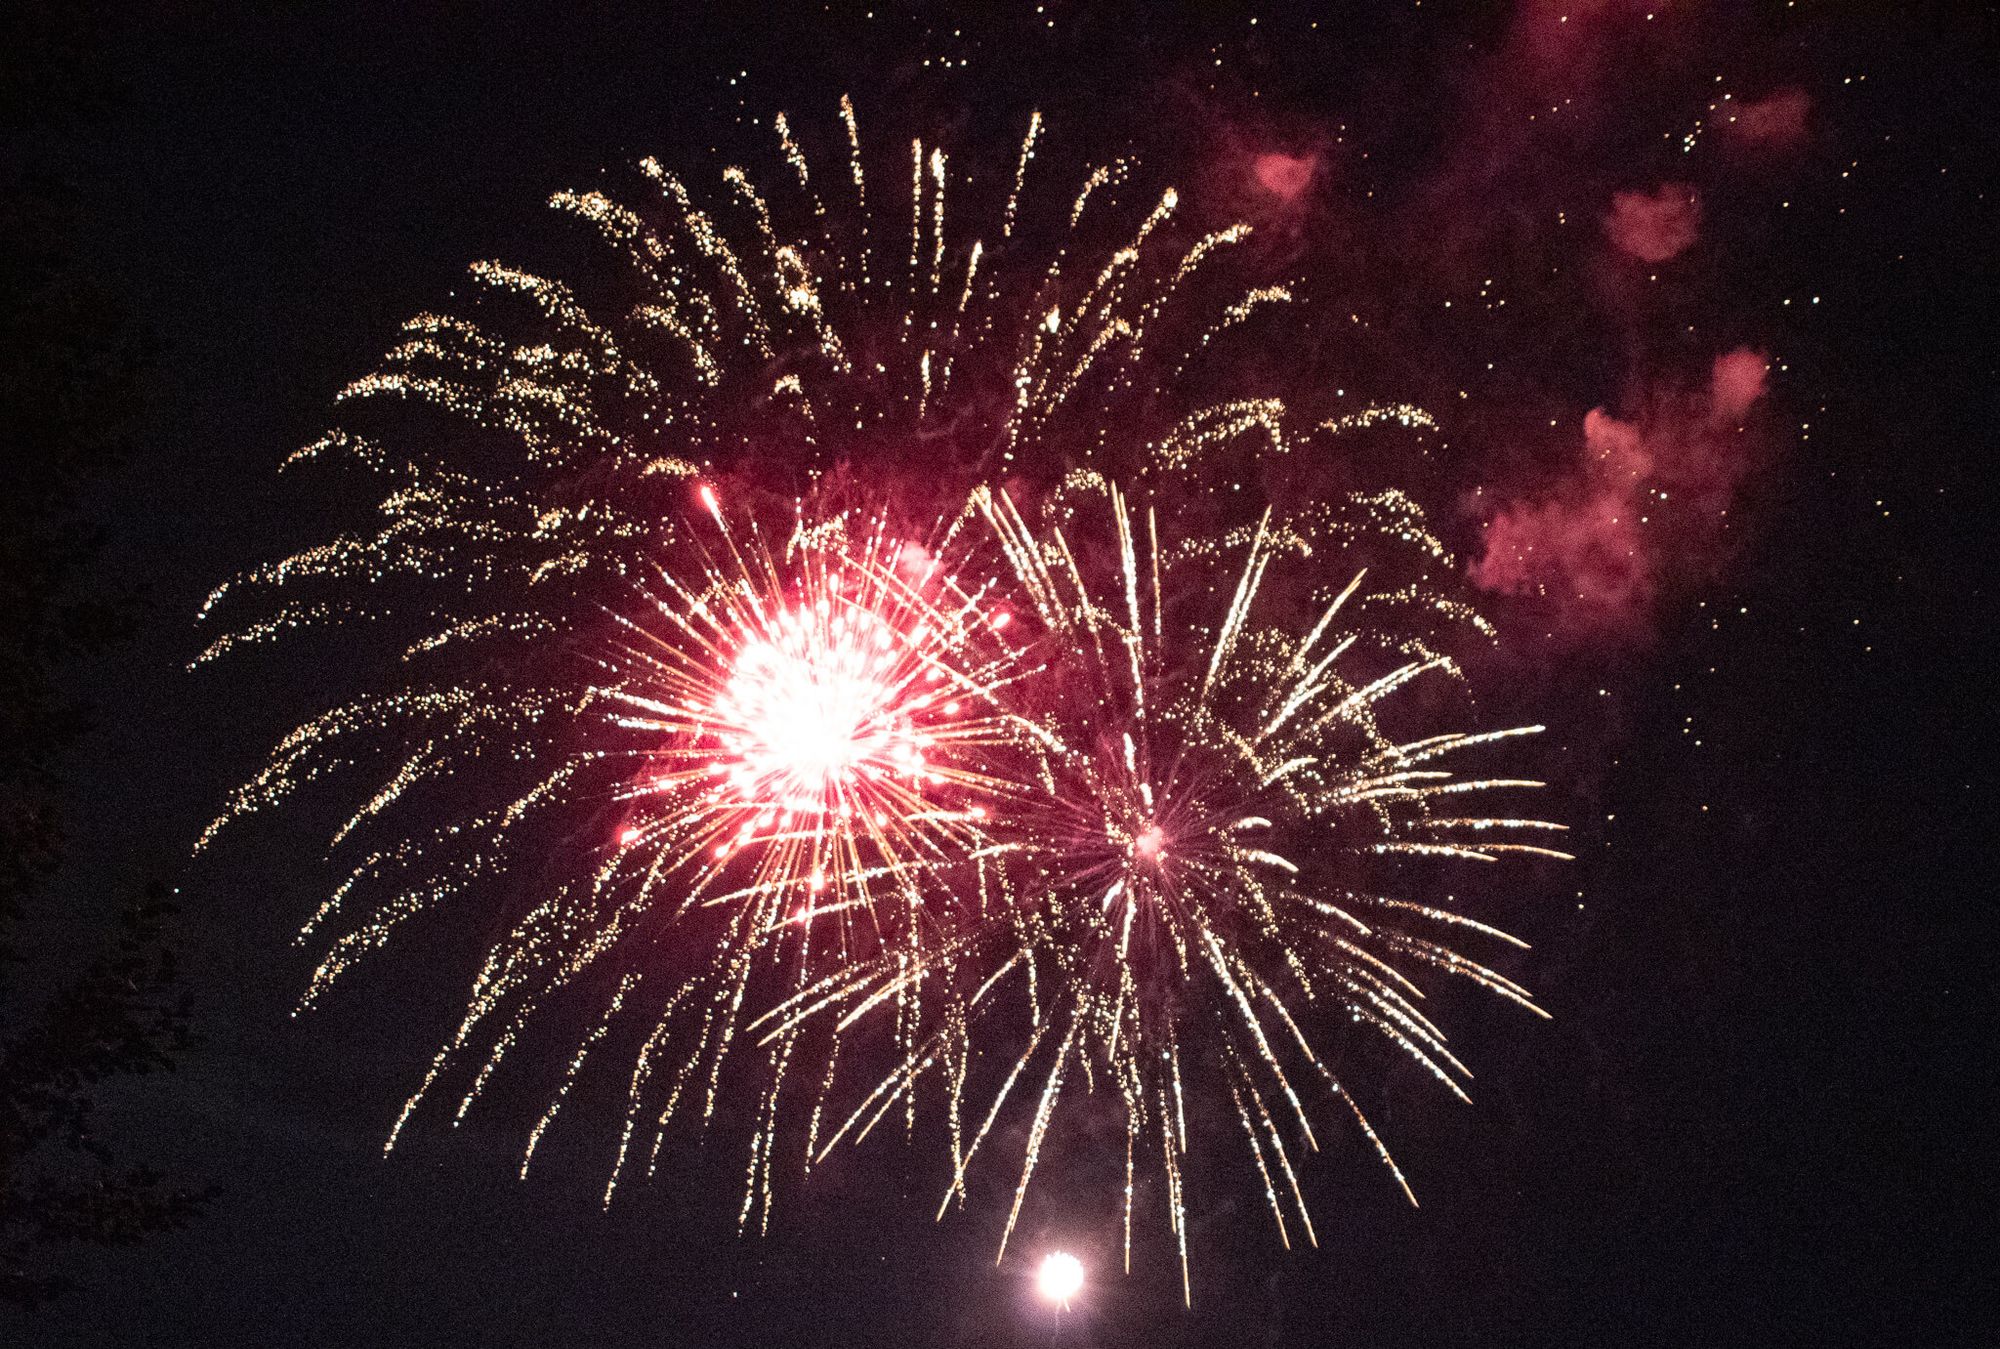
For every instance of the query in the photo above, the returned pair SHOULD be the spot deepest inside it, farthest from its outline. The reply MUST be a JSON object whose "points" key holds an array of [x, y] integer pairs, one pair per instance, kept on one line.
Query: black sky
{"points": [[1759, 1115]]}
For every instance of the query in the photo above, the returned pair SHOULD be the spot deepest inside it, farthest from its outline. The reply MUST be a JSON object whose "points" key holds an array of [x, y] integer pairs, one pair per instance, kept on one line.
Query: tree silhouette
{"points": [[70, 395]]}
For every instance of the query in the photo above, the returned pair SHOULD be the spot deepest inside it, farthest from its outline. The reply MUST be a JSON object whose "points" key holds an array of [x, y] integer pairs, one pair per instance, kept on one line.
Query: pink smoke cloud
{"points": [[1736, 383], [1774, 122], [1272, 171], [1284, 176], [1587, 554], [1654, 226], [1643, 504]]}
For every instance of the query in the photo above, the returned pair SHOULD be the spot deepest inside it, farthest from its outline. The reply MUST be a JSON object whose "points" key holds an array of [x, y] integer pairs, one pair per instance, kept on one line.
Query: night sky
{"points": [[1760, 1112]]}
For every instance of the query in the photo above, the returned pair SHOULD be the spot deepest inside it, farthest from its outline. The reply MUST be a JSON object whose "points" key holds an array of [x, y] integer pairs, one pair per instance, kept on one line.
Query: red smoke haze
{"points": [[1645, 502], [1284, 176], [1776, 122], [1654, 226]]}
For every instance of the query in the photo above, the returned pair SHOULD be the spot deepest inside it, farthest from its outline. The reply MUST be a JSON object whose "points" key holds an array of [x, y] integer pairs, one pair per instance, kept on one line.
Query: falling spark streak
{"points": [[983, 797]]}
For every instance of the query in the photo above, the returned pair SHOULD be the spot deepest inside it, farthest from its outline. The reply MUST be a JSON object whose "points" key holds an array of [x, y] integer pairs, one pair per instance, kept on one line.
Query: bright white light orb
{"points": [[1150, 843], [816, 708], [1060, 1278]]}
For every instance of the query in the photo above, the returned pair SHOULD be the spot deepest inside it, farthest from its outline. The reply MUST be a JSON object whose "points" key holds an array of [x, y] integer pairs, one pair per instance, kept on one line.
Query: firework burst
{"points": [[702, 674], [822, 708], [1195, 890]]}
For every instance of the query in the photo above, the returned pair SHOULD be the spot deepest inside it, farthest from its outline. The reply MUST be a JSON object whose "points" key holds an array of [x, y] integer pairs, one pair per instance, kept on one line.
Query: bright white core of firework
{"points": [[816, 707], [1060, 1278]]}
